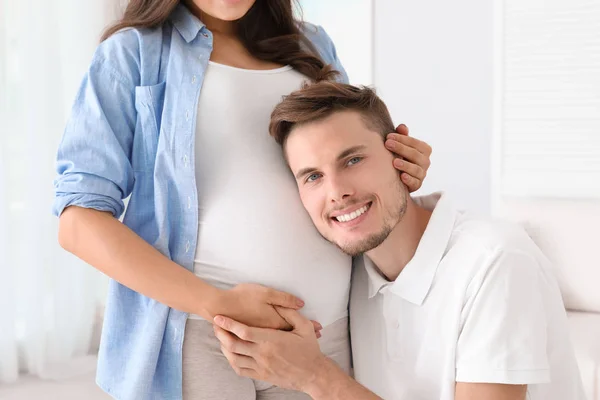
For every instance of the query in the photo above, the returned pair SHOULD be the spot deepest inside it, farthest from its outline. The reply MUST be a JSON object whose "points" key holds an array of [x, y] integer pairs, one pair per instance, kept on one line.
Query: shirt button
{"points": [[194, 79], [397, 324], [185, 160], [189, 202], [205, 34], [187, 115], [187, 246]]}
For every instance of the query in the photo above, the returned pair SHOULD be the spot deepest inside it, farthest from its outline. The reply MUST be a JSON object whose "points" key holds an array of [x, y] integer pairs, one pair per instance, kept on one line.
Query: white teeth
{"points": [[352, 215]]}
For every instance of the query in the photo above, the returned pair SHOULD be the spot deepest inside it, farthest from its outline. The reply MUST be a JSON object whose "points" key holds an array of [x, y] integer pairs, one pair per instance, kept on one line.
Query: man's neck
{"points": [[398, 249]]}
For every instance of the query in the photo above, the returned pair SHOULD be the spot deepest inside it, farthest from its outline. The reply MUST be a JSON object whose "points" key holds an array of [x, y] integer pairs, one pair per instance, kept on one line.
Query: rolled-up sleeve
{"points": [[94, 157]]}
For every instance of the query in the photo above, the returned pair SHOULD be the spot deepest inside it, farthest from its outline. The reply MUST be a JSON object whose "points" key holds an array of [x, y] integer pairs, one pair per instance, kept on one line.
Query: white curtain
{"points": [[49, 300]]}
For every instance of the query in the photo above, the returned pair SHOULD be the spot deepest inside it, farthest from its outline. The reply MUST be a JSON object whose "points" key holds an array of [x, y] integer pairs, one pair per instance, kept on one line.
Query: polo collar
{"points": [[415, 280]]}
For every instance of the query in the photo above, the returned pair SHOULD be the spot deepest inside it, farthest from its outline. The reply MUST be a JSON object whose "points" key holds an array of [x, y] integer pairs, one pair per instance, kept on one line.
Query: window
{"points": [[548, 99]]}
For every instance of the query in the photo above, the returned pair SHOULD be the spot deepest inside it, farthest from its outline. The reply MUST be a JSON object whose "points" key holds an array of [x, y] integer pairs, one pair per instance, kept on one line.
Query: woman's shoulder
{"points": [[126, 52], [320, 39], [324, 46]]}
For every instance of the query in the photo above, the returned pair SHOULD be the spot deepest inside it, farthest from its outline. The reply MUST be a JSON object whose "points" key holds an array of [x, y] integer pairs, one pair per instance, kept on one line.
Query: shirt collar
{"points": [[415, 280], [185, 22]]}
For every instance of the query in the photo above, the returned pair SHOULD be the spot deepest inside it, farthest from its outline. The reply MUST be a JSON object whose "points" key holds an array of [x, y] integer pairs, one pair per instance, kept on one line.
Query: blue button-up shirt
{"points": [[131, 133]]}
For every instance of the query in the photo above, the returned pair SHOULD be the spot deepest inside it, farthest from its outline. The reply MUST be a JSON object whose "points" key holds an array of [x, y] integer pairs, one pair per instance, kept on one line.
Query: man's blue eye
{"points": [[312, 177], [354, 160]]}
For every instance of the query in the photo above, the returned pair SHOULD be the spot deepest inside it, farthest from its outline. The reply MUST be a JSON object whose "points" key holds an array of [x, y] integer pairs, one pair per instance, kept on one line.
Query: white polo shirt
{"points": [[477, 303]]}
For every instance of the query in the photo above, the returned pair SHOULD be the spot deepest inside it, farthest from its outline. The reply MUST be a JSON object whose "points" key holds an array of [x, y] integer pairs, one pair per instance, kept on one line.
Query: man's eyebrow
{"points": [[351, 150], [341, 156], [305, 171]]}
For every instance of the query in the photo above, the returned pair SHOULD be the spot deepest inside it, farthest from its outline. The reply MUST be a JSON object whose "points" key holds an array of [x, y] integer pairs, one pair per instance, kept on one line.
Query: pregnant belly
{"points": [[323, 289], [284, 252]]}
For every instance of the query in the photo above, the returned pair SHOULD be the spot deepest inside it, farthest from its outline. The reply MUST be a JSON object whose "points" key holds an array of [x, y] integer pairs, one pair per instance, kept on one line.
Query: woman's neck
{"points": [[215, 25]]}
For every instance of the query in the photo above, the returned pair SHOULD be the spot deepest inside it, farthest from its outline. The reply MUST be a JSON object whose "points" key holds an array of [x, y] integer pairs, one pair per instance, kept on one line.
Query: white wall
{"points": [[547, 149], [353, 42], [433, 67]]}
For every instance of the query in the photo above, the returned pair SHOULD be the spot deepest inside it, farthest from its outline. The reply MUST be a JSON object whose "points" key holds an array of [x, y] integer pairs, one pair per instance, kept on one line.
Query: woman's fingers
{"points": [[408, 153], [413, 184], [411, 169], [283, 299], [402, 129], [419, 145]]}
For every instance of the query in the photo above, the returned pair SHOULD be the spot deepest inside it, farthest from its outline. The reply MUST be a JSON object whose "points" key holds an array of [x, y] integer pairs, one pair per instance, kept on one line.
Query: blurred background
{"points": [[507, 92]]}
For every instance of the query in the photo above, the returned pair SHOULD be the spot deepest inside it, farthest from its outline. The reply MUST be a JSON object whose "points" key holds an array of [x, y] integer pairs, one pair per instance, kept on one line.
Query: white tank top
{"points": [[252, 225]]}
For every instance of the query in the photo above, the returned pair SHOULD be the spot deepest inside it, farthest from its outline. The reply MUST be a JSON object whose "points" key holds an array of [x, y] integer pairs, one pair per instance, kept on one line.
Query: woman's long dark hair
{"points": [[268, 30]]}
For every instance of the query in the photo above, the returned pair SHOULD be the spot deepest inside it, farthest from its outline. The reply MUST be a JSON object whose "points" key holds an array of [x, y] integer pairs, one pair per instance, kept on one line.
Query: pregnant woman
{"points": [[173, 113]]}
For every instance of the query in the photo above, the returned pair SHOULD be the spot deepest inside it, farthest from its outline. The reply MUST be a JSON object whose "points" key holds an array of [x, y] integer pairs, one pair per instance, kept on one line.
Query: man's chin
{"points": [[358, 246], [355, 248]]}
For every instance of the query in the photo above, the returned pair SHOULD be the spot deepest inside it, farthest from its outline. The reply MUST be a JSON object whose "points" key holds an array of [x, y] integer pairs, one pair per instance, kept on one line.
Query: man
{"points": [[443, 305]]}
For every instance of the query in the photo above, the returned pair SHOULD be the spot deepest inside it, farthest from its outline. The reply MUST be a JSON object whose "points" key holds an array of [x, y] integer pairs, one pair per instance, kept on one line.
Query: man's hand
{"points": [[287, 359]]}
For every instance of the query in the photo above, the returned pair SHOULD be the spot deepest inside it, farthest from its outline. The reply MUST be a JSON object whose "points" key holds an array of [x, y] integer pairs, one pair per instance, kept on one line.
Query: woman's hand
{"points": [[413, 157], [254, 305]]}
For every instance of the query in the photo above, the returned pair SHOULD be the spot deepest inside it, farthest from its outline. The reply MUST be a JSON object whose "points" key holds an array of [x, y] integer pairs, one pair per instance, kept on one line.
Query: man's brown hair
{"points": [[317, 101]]}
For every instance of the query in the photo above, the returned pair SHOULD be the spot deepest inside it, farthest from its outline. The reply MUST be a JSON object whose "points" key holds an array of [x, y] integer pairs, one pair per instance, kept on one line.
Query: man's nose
{"points": [[340, 189]]}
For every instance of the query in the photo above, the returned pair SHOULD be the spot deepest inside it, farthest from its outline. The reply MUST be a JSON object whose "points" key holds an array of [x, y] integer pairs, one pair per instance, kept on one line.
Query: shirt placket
{"points": [[392, 324]]}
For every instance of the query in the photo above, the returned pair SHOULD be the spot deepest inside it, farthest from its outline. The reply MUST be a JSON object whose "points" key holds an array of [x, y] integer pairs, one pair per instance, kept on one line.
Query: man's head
{"points": [[333, 137]]}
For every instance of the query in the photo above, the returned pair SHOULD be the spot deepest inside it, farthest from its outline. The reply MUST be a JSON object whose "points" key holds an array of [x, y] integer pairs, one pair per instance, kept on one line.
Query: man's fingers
{"points": [[410, 141], [250, 373], [402, 129], [301, 325], [232, 343], [242, 365], [238, 361], [283, 299], [240, 330]]}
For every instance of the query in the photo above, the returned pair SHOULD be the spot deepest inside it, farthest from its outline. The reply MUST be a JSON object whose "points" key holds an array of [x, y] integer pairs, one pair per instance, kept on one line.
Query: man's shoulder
{"points": [[491, 235], [481, 247]]}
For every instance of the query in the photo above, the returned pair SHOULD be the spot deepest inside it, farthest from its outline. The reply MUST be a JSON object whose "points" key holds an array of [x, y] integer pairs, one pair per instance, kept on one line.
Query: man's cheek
{"points": [[316, 216], [304, 199]]}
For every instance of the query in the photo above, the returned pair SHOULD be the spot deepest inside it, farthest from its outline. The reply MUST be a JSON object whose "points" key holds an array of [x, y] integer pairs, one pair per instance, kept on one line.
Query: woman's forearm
{"points": [[111, 247]]}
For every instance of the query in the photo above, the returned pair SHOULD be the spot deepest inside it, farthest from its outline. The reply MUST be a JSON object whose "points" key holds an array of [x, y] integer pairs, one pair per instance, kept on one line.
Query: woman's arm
{"points": [[111, 247], [104, 242], [96, 172]]}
